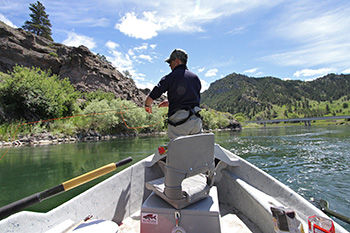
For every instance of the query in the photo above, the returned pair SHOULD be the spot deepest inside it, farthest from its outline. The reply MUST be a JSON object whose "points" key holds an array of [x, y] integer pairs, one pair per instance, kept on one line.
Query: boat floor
{"points": [[230, 222]]}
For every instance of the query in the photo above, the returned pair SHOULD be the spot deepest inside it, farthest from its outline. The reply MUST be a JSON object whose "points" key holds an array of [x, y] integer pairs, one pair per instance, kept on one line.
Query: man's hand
{"points": [[148, 109], [165, 103], [148, 104]]}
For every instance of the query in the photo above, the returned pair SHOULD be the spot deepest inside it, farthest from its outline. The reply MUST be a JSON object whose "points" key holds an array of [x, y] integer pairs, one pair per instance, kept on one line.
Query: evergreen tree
{"points": [[328, 110], [40, 23]]}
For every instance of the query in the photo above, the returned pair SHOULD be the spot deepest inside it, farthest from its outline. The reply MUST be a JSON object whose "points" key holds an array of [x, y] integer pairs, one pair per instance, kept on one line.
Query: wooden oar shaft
{"points": [[324, 206], [38, 197], [88, 176], [337, 215]]}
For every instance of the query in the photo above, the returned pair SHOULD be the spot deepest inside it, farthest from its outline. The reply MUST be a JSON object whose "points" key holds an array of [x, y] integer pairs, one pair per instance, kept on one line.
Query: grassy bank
{"points": [[313, 123]]}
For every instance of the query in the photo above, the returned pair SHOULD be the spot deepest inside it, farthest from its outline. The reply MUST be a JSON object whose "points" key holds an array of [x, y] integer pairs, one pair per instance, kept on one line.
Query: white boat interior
{"points": [[197, 186]]}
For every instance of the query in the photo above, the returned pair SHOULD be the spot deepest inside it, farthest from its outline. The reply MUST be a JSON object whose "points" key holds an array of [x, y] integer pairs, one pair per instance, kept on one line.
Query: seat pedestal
{"points": [[203, 216]]}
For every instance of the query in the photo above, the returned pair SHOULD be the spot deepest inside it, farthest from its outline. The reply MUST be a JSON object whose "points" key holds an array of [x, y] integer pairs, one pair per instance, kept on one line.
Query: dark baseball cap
{"points": [[177, 53]]}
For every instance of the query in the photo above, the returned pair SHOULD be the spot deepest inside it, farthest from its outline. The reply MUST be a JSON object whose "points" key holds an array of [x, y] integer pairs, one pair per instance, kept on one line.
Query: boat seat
{"points": [[188, 170]]}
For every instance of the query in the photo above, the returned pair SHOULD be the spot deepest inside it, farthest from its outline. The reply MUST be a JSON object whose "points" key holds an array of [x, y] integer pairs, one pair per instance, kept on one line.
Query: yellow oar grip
{"points": [[88, 176]]}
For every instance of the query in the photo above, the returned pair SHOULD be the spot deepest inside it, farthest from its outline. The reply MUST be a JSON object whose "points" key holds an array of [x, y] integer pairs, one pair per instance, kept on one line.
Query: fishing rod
{"points": [[65, 186]]}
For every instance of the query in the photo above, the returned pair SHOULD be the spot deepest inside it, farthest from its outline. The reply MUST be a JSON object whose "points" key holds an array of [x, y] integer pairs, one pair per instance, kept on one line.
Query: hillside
{"points": [[86, 71], [256, 97]]}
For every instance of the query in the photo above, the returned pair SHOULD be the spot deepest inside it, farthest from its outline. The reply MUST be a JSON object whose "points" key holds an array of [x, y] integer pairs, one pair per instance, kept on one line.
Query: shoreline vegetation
{"points": [[48, 139], [37, 107]]}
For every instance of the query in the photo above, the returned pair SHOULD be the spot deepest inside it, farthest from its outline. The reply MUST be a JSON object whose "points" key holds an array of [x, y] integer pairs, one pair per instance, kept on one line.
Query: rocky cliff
{"points": [[86, 71]]}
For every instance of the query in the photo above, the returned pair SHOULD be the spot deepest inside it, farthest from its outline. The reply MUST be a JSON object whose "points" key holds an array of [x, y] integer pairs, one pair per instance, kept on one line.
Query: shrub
{"points": [[121, 116], [214, 120], [33, 94]]}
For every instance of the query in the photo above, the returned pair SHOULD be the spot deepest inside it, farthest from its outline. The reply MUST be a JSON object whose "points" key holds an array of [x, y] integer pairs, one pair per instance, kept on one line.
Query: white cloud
{"points": [[7, 21], [139, 28], [130, 58], [144, 85], [144, 46], [330, 54], [141, 81], [145, 57], [181, 15], [87, 21], [211, 73], [153, 46], [318, 32], [307, 22], [237, 30], [76, 40], [112, 45], [121, 61], [251, 71], [131, 52], [205, 85], [311, 72], [347, 71], [200, 70]]}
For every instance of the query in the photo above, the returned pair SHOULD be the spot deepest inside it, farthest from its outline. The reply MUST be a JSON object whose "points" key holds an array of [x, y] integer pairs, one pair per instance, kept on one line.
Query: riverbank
{"points": [[284, 124], [48, 139]]}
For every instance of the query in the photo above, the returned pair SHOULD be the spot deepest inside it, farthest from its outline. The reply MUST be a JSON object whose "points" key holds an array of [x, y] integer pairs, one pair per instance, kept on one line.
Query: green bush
{"points": [[53, 54], [214, 120], [121, 116], [5, 132], [240, 117], [33, 94], [99, 95]]}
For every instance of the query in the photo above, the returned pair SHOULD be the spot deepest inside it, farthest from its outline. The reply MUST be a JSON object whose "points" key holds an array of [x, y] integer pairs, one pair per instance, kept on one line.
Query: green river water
{"points": [[314, 161]]}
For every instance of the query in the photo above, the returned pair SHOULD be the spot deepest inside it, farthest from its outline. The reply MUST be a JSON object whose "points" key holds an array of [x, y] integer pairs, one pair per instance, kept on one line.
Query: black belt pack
{"points": [[191, 113]]}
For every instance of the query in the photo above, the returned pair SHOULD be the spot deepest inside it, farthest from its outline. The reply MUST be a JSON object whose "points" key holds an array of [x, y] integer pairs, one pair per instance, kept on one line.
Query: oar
{"points": [[38, 197], [325, 208]]}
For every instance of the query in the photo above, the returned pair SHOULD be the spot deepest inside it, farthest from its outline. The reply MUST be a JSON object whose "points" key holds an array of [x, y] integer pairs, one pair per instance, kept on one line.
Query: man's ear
{"points": [[178, 61]]}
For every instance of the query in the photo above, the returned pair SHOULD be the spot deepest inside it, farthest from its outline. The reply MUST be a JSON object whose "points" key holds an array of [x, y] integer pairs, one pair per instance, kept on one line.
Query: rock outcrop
{"points": [[86, 71]]}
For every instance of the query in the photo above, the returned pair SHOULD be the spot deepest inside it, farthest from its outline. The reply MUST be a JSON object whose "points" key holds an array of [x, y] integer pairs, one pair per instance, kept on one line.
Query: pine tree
{"points": [[40, 23]]}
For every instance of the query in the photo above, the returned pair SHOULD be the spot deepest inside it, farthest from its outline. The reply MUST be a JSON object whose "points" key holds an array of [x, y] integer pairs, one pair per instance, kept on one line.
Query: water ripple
{"points": [[313, 161]]}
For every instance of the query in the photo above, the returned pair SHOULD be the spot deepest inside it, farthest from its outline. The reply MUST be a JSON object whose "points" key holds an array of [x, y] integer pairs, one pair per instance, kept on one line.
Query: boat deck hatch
{"points": [[202, 216]]}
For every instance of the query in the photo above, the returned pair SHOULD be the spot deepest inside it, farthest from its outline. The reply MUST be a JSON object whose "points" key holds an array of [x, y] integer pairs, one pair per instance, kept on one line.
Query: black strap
{"points": [[191, 113]]}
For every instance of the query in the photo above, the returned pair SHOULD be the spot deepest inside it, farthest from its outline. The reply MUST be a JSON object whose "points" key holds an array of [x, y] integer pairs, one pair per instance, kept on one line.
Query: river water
{"points": [[313, 161]]}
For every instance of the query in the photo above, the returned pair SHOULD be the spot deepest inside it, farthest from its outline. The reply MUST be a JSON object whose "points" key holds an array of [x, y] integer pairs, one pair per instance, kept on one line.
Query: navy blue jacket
{"points": [[183, 89]]}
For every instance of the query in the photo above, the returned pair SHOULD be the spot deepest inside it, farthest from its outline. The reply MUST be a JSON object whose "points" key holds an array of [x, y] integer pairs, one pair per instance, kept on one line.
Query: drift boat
{"points": [[190, 185]]}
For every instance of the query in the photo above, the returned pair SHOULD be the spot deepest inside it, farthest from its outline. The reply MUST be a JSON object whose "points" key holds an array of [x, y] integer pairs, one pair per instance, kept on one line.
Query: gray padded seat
{"points": [[188, 170]]}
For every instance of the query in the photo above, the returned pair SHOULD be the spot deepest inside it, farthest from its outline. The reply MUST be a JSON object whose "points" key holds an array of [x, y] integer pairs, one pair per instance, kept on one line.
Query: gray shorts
{"points": [[191, 126]]}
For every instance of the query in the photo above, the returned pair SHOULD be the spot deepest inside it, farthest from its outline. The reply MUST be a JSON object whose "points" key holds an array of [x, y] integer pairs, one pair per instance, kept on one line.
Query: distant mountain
{"points": [[238, 93]]}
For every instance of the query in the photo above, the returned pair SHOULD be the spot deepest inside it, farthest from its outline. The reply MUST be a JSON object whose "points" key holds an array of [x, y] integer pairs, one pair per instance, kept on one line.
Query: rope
{"points": [[85, 115]]}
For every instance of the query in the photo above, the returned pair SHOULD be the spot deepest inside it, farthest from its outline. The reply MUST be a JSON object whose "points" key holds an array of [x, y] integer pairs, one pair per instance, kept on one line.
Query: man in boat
{"points": [[183, 91]]}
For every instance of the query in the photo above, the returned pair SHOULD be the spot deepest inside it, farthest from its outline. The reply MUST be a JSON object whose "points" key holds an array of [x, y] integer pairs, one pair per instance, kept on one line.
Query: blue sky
{"points": [[287, 39]]}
